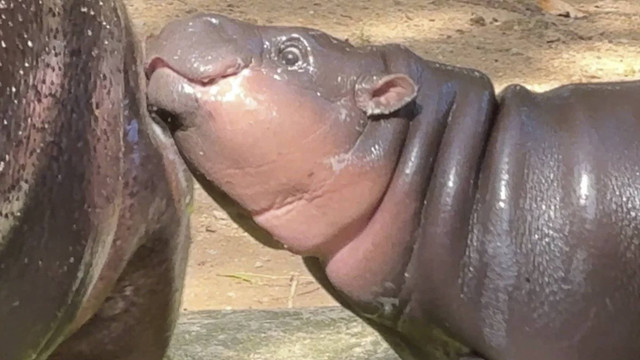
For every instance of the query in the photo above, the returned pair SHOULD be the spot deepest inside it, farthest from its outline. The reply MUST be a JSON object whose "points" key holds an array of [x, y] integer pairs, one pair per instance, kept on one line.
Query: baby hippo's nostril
{"points": [[222, 70]]}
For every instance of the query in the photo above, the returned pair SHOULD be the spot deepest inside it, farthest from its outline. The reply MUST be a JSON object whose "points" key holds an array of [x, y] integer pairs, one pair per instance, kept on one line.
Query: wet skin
{"points": [[93, 194], [457, 222]]}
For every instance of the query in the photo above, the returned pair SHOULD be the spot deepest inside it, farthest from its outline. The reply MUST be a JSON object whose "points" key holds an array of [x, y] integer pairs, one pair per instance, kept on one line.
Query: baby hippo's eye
{"points": [[293, 53], [291, 56]]}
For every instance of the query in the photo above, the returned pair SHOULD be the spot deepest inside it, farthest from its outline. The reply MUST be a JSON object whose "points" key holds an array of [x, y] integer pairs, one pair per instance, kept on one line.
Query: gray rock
{"points": [[328, 333]]}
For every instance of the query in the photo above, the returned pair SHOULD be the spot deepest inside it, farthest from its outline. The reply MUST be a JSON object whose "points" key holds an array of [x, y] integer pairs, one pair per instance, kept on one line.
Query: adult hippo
{"points": [[93, 195], [458, 223]]}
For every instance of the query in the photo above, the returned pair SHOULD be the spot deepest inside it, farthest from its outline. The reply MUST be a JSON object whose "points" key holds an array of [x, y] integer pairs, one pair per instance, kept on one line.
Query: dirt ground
{"points": [[508, 39]]}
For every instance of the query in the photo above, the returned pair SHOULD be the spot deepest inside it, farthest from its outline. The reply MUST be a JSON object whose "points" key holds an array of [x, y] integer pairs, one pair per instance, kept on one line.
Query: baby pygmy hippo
{"points": [[457, 222]]}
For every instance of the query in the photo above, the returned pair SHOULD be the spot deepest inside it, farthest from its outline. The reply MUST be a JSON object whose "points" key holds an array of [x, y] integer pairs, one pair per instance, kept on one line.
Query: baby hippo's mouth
{"points": [[172, 91], [168, 103], [202, 76]]}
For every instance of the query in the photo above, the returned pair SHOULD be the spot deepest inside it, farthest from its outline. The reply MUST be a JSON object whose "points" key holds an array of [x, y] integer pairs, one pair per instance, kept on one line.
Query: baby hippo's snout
{"points": [[188, 56], [203, 48]]}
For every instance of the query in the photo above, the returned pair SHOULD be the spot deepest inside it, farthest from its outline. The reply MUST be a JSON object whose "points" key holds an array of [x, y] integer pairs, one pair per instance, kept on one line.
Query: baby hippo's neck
{"points": [[433, 178], [371, 268]]}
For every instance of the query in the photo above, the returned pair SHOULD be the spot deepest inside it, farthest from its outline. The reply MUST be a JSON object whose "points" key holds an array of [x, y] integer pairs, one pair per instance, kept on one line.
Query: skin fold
{"points": [[459, 223], [93, 194]]}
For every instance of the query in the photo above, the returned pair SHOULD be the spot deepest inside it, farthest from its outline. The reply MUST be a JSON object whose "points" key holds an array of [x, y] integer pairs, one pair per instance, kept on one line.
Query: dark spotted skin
{"points": [[93, 197]]}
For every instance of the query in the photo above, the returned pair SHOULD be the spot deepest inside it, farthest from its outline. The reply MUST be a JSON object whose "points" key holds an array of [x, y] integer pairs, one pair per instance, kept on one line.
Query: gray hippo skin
{"points": [[458, 223], [93, 196]]}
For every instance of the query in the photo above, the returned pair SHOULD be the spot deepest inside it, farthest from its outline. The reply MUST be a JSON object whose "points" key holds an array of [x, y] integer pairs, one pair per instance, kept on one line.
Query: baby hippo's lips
{"points": [[198, 75], [172, 99], [172, 91]]}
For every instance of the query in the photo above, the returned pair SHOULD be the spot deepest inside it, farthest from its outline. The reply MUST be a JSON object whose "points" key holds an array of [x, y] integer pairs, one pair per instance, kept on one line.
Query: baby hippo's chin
{"points": [[276, 229], [237, 213], [306, 235]]}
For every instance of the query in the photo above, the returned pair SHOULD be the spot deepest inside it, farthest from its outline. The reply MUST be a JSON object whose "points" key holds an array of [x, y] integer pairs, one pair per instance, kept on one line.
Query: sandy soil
{"points": [[508, 39]]}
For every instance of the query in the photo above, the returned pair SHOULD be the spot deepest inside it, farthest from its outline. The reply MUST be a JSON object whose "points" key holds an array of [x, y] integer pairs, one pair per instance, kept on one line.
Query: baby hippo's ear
{"points": [[384, 95]]}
